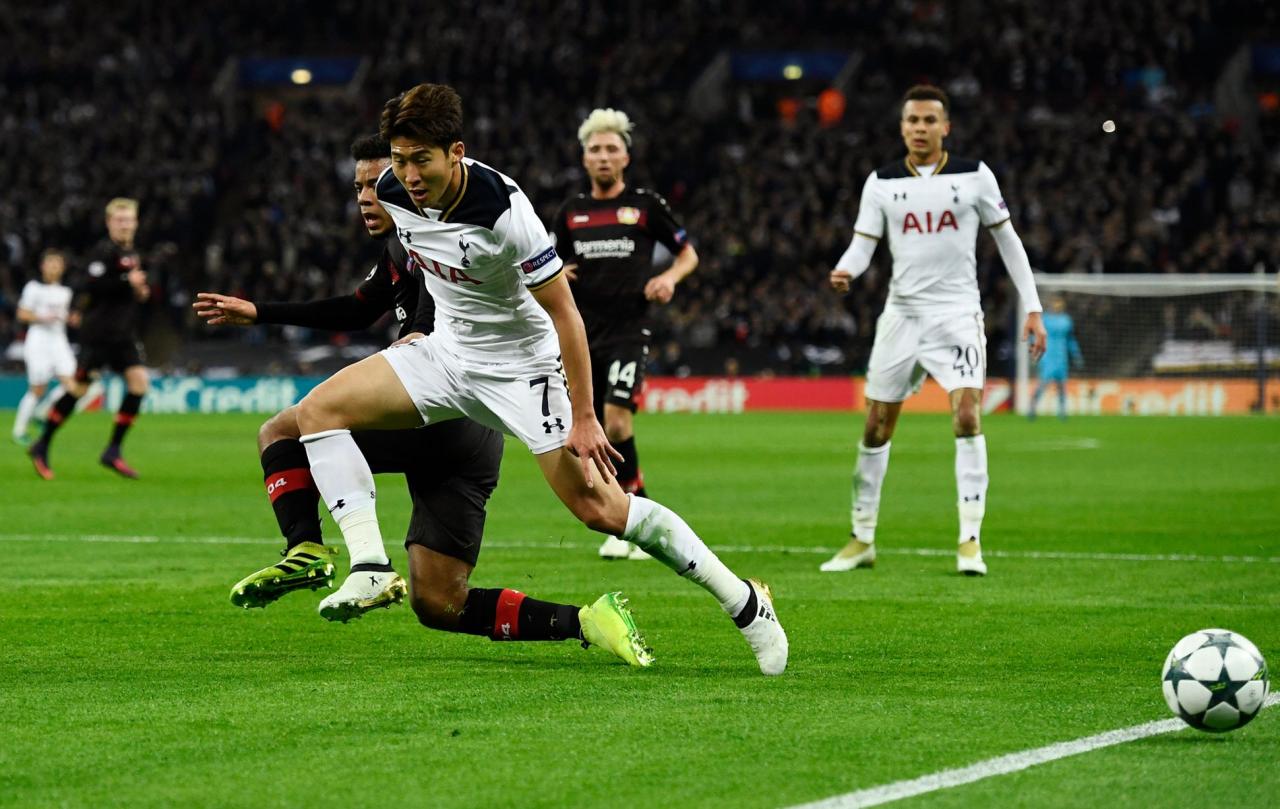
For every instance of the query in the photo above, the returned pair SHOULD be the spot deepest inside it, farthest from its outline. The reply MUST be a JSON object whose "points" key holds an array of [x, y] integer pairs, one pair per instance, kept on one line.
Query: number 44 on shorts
{"points": [[625, 374]]}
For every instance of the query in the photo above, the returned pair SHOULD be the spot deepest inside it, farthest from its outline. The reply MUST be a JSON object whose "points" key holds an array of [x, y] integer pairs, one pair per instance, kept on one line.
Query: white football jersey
{"points": [[479, 260], [46, 300], [931, 223]]}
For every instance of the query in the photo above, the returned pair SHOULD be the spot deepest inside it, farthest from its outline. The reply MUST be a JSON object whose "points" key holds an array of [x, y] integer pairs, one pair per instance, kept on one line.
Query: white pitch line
{"points": [[1085, 556], [1000, 765]]}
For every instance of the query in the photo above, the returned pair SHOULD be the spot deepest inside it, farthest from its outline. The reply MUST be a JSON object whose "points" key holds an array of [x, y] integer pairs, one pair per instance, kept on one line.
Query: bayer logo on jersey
{"points": [[1215, 680]]}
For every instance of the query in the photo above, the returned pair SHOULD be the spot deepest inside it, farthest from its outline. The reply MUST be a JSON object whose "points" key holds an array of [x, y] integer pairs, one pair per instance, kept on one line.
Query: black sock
{"points": [[57, 414], [511, 615], [630, 478], [294, 498], [748, 613], [125, 418]]}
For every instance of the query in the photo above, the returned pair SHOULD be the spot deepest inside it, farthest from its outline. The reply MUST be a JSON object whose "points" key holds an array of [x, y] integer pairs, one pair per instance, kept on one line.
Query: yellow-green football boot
{"points": [[305, 566], [609, 623]]}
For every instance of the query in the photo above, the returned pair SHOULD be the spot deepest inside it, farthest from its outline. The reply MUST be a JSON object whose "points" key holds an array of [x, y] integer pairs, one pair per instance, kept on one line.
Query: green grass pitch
{"points": [[128, 679]]}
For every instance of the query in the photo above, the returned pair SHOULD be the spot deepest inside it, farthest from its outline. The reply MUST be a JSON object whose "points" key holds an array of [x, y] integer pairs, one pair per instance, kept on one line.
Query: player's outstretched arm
{"points": [[341, 313], [224, 310], [586, 438]]}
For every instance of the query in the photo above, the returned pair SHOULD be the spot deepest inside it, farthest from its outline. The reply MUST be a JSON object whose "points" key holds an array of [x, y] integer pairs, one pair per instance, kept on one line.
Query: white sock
{"points": [[868, 479], [25, 408], [971, 484], [346, 486], [667, 538]]}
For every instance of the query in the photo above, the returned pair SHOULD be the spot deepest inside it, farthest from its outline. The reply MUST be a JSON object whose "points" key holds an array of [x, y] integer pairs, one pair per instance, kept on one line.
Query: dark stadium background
{"points": [[243, 175]]}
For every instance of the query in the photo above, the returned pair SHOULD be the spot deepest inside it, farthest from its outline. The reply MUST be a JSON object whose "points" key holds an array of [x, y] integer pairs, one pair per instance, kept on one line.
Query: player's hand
{"points": [[1033, 331], [660, 288], [588, 442], [224, 310], [841, 280], [571, 272], [73, 319], [408, 338]]}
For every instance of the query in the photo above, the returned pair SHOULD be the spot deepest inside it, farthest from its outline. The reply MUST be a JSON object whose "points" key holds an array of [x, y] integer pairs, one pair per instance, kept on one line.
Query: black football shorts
{"points": [[451, 468], [115, 356], [617, 373]]}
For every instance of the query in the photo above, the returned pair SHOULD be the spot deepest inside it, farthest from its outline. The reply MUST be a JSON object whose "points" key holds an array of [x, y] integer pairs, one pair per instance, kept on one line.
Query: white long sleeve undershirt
{"points": [[1017, 264]]}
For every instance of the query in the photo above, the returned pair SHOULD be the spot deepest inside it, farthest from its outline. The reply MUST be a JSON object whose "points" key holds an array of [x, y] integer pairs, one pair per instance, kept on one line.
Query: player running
{"points": [[45, 306], [929, 206], [1063, 350], [450, 468], [606, 239], [115, 286], [505, 319]]}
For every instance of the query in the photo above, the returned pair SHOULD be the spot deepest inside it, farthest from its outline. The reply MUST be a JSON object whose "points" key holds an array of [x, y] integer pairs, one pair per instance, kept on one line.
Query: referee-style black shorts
{"points": [[451, 468], [115, 356], [617, 372]]}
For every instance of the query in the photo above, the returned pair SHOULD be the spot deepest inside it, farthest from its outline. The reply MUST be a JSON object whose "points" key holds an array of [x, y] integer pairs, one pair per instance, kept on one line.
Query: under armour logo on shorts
{"points": [[558, 424]]}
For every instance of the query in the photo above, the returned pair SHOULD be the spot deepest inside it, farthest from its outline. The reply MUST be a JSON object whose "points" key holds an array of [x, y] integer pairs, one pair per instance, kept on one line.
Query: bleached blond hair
{"points": [[122, 204], [606, 120]]}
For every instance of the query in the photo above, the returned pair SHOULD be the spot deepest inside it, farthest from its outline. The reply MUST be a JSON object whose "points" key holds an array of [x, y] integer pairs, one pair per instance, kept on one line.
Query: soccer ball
{"points": [[1215, 680]]}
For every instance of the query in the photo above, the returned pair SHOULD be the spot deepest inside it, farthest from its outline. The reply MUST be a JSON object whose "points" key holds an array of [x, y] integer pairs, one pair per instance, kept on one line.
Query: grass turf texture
{"points": [[127, 678]]}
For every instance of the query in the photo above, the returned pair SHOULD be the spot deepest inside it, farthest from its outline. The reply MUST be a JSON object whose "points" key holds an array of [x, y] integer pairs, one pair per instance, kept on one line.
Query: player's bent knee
{"points": [[619, 427], [280, 427], [316, 413], [967, 423], [436, 608], [601, 514]]}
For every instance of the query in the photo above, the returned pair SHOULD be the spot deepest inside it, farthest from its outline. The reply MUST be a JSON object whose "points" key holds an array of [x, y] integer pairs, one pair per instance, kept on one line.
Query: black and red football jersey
{"points": [[611, 241], [108, 303]]}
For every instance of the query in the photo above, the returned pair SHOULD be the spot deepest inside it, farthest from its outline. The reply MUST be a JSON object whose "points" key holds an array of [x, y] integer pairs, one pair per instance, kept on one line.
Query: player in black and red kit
{"points": [[451, 468], [109, 298], [607, 239]]}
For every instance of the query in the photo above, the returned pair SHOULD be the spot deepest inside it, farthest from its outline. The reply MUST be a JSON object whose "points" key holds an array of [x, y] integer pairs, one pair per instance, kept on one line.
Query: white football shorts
{"points": [[529, 401], [47, 357], [951, 348]]}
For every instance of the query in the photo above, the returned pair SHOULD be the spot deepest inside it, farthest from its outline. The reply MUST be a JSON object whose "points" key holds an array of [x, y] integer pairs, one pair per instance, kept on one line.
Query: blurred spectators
{"points": [[247, 191]]}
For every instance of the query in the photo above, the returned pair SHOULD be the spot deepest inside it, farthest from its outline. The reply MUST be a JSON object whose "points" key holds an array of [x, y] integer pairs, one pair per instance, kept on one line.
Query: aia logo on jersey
{"points": [[628, 215], [930, 224], [451, 274]]}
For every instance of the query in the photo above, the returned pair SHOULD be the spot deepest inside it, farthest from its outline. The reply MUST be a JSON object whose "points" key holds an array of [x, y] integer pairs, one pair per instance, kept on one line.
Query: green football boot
{"points": [[610, 624], [306, 566]]}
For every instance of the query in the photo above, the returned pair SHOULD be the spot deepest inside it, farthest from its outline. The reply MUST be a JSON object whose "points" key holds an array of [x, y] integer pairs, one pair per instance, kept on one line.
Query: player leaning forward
{"points": [[929, 206], [504, 320]]}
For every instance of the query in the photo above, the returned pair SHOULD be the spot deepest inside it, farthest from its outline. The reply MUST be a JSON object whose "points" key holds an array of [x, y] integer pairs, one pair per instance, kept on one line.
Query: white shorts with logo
{"points": [[530, 402], [951, 348], [47, 357]]}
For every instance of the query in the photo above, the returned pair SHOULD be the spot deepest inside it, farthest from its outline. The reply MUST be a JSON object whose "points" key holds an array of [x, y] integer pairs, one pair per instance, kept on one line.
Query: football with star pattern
{"points": [[1215, 680]]}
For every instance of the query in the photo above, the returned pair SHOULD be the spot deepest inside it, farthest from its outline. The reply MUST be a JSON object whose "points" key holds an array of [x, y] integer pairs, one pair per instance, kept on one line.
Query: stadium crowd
{"points": [[246, 190]]}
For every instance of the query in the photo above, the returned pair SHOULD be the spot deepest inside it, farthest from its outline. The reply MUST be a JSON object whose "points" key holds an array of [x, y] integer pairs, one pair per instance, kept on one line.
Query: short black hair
{"points": [[370, 147], [927, 92], [430, 114]]}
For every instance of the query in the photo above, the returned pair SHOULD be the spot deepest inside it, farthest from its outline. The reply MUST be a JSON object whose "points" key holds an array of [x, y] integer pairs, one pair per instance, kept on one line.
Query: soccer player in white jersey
{"points": [[505, 320], [44, 306], [929, 206]]}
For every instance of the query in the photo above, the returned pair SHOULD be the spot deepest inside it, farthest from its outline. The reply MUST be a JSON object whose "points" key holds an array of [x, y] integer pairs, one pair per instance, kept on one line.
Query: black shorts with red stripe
{"points": [[451, 469], [117, 356]]}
